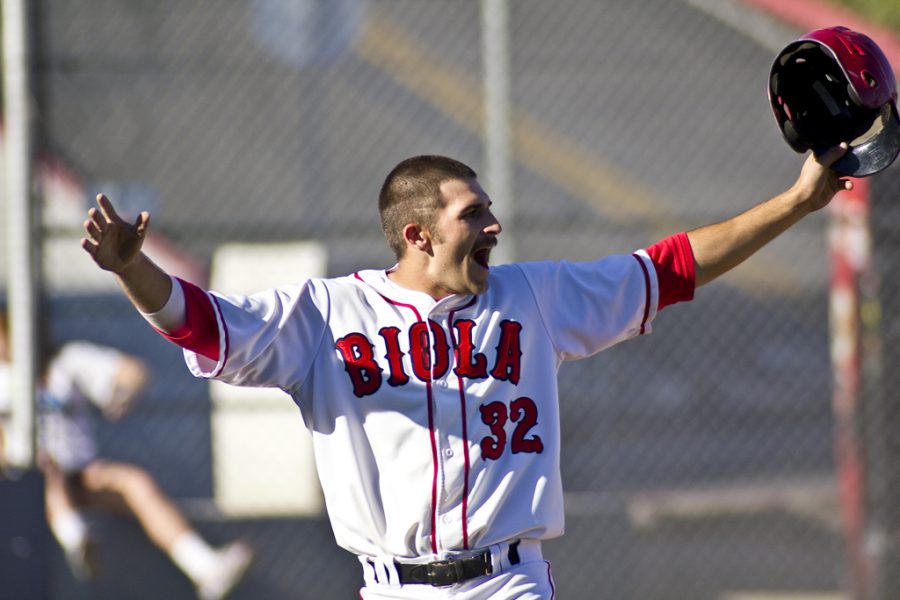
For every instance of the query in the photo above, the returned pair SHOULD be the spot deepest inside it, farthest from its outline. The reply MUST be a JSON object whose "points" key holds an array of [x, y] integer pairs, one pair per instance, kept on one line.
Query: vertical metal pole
{"points": [[498, 177], [19, 229], [850, 257], [880, 343]]}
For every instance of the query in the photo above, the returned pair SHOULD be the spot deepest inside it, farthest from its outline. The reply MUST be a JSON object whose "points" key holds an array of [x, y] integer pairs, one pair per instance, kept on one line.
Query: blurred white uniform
{"points": [[79, 376]]}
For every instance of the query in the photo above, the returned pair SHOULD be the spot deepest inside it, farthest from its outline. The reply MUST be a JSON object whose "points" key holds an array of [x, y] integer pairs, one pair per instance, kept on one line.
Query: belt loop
{"points": [[393, 575], [381, 572], [498, 558], [368, 570]]}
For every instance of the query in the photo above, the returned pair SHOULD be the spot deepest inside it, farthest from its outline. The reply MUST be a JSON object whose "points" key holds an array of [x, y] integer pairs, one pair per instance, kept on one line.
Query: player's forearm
{"points": [[720, 247], [145, 284]]}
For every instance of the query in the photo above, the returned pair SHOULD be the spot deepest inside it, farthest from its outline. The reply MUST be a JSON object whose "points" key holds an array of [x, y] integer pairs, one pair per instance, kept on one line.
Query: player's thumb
{"points": [[831, 156], [142, 223]]}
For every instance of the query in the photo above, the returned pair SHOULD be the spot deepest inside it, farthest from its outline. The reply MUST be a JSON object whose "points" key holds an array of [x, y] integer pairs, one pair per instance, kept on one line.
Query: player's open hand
{"points": [[817, 182], [112, 242]]}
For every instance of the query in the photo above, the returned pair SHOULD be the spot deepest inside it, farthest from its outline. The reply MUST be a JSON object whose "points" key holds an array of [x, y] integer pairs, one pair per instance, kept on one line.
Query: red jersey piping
{"points": [[430, 399], [465, 434]]}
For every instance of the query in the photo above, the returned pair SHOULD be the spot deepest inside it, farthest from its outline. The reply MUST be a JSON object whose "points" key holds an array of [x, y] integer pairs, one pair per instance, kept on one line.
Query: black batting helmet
{"points": [[835, 85]]}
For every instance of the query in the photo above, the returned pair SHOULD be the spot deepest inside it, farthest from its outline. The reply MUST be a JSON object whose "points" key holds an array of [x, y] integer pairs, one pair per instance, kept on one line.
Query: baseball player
{"points": [[78, 378], [430, 387]]}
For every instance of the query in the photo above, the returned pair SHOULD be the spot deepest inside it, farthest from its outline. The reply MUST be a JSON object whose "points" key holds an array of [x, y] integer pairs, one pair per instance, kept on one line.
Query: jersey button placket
{"points": [[446, 404], [438, 386], [452, 461]]}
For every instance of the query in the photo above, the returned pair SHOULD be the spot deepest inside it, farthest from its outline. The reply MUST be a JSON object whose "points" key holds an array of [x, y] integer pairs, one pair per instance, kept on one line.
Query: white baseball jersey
{"points": [[80, 375], [435, 424]]}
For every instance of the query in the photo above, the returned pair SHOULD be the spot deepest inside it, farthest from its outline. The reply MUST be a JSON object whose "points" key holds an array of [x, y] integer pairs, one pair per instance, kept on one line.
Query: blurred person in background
{"points": [[78, 380]]}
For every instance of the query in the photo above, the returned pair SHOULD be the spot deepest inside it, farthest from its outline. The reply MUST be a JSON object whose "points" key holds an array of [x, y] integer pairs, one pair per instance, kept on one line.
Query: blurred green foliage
{"points": [[883, 12]]}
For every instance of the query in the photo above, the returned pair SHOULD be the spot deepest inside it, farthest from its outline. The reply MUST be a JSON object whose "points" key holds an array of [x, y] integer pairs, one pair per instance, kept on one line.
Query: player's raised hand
{"points": [[112, 242], [817, 182]]}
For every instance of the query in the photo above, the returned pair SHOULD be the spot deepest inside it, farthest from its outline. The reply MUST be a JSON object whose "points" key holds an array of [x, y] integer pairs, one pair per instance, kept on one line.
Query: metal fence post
{"points": [[20, 229], [497, 116]]}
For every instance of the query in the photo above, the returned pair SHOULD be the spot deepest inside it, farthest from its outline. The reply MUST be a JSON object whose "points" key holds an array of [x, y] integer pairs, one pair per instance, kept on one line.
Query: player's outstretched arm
{"points": [[720, 247], [115, 245]]}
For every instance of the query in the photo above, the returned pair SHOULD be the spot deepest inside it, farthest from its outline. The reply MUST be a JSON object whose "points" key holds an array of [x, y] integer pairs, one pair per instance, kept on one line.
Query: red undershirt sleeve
{"points": [[200, 332], [673, 260]]}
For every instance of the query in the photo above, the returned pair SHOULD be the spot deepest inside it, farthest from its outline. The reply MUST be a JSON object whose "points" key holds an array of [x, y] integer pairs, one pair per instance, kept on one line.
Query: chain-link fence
{"points": [[697, 462]]}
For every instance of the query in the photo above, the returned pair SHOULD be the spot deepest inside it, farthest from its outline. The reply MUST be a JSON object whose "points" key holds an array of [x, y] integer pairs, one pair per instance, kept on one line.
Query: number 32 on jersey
{"points": [[367, 376]]}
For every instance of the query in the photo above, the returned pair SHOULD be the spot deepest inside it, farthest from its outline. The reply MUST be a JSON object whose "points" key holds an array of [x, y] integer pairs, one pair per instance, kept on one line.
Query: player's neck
{"points": [[413, 277]]}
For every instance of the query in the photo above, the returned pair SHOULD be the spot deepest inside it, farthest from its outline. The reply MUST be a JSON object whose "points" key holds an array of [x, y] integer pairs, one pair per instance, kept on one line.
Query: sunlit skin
{"points": [[452, 259]]}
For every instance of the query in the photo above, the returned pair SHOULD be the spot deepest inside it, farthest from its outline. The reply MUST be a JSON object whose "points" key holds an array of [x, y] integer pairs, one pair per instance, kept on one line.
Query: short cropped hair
{"points": [[411, 193]]}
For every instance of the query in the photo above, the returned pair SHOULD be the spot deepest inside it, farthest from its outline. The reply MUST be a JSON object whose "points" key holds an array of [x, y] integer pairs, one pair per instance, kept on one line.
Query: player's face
{"points": [[465, 232]]}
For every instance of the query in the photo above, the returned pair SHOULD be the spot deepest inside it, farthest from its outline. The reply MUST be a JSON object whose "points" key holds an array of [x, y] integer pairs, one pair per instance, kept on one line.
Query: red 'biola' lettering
{"points": [[394, 355], [468, 363], [359, 362], [420, 352], [509, 353], [365, 373]]}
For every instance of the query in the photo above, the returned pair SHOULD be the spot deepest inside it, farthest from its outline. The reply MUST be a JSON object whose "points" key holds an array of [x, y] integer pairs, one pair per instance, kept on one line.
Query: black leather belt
{"points": [[441, 573]]}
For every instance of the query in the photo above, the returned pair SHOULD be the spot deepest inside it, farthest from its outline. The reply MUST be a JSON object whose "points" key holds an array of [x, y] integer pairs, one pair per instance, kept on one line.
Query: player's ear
{"points": [[417, 238]]}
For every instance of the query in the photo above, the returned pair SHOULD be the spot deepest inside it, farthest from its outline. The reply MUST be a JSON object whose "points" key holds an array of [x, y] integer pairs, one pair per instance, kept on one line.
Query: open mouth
{"points": [[482, 256]]}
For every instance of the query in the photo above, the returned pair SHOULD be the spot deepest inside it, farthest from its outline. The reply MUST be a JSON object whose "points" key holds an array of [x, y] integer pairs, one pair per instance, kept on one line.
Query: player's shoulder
{"points": [[285, 293], [364, 281], [507, 274], [323, 291], [310, 294], [601, 263], [351, 283], [508, 281], [514, 275], [548, 274], [354, 279]]}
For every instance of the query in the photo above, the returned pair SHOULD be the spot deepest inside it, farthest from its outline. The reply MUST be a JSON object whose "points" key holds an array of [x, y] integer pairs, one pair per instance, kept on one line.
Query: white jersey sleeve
{"points": [[268, 339], [589, 306]]}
